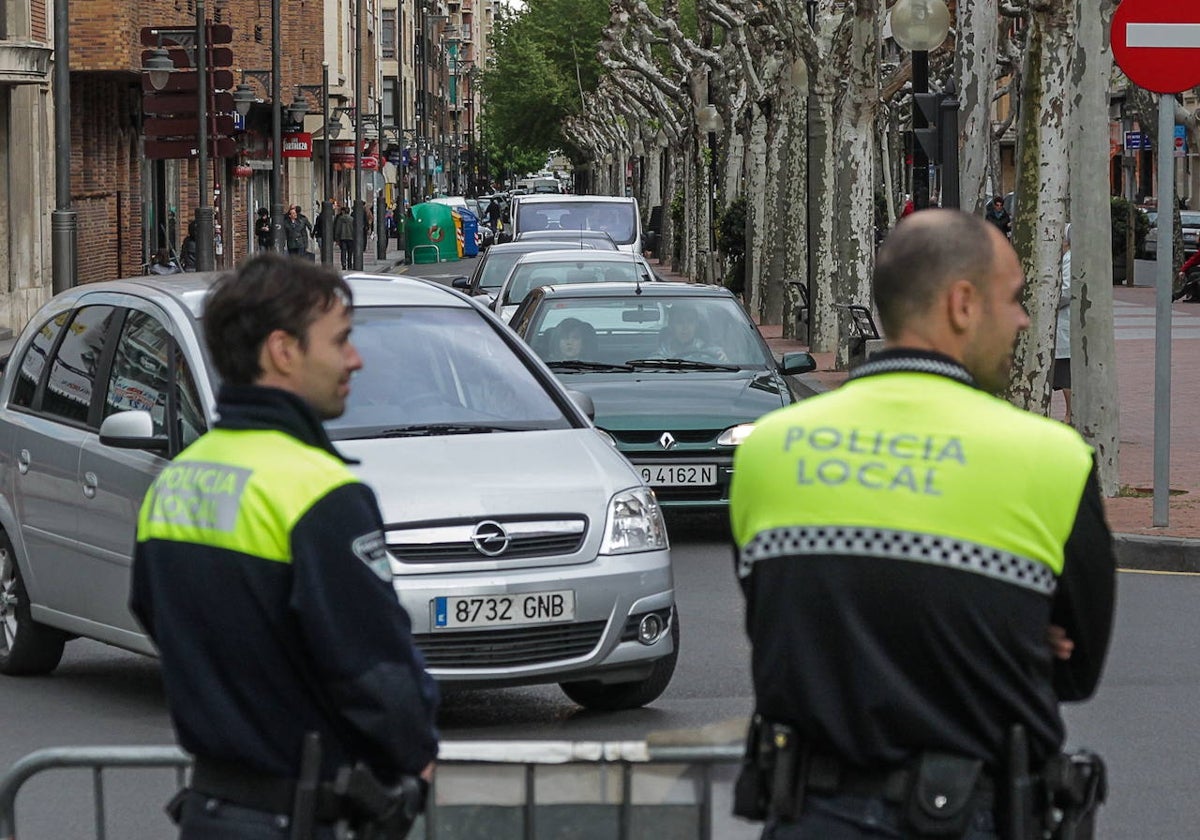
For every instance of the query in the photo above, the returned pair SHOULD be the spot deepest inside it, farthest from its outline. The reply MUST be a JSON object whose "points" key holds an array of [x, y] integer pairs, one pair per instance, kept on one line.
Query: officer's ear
{"points": [[280, 353], [963, 304]]}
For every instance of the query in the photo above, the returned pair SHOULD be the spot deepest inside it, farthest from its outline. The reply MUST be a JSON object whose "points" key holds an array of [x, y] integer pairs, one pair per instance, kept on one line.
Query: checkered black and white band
{"points": [[898, 545]]}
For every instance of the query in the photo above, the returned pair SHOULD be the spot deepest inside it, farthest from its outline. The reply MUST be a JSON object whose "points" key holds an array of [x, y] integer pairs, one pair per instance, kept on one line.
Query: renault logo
{"points": [[490, 538], [667, 441]]}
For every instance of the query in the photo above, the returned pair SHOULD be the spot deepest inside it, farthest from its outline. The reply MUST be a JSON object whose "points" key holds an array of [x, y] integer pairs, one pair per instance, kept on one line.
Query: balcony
{"points": [[24, 63]]}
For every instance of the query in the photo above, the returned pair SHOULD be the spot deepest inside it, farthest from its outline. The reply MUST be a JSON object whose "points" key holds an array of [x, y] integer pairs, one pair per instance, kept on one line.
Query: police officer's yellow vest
{"points": [[240, 490], [911, 466]]}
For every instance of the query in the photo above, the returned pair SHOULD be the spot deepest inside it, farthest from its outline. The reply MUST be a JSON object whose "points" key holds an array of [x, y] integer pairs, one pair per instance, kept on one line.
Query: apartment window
{"points": [[390, 99], [387, 36]]}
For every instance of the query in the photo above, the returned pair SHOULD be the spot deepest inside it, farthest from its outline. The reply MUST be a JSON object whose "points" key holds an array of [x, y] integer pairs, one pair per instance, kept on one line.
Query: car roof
{"points": [[532, 245], [556, 198], [190, 289], [668, 289], [563, 255]]}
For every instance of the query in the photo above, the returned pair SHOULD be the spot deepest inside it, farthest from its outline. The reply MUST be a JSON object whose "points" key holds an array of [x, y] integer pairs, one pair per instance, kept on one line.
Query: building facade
{"points": [[26, 159]]}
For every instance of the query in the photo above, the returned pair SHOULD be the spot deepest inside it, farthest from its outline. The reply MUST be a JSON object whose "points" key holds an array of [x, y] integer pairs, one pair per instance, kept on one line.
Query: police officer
{"points": [[927, 569], [262, 575]]}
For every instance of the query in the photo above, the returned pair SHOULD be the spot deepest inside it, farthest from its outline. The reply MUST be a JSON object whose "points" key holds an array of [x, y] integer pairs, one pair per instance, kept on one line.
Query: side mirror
{"points": [[460, 283], [795, 363], [132, 430], [583, 402]]}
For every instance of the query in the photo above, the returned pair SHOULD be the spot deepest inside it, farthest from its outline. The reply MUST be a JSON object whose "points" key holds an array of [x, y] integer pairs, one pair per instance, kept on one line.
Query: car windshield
{"points": [[1187, 219], [443, 368], [642, 333], [528, 276], [498, 262], [616, 218]]}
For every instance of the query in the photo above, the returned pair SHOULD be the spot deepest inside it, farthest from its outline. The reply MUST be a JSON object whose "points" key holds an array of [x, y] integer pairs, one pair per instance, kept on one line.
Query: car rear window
{"points": [[616, 218]]}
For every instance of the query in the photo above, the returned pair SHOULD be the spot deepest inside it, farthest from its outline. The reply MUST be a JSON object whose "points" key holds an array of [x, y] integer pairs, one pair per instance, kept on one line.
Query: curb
{"points": [[1157, 554]]}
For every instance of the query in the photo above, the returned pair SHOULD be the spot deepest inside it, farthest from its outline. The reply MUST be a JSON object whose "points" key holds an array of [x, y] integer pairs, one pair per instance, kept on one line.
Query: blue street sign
{"points": [[1137, 141]]}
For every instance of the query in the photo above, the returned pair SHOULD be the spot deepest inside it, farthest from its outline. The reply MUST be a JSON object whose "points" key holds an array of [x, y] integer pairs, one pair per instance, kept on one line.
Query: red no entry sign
{"points": [[1157, 43]]}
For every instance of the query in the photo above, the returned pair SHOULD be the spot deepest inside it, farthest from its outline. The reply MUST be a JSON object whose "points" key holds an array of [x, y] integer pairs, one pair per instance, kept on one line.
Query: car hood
{"points": [[690, 400], [465, 476]]}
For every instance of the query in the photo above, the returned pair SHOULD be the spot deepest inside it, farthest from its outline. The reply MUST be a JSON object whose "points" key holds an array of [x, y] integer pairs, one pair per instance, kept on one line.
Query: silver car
{"points": [[524, 546], [568, 268]]}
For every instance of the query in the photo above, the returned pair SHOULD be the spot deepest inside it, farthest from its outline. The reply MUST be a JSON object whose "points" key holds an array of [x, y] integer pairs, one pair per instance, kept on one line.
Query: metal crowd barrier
{"points": [[492, 789]]}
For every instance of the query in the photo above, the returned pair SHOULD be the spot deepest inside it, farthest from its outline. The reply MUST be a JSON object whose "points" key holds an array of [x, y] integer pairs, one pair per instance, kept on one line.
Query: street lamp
{"points": [[243, 99], [920, 26], [159, 67], [708, 119]]}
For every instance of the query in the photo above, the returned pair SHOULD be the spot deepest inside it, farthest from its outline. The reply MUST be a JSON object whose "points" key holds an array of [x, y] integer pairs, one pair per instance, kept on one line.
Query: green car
{"points": [[677, 375]]}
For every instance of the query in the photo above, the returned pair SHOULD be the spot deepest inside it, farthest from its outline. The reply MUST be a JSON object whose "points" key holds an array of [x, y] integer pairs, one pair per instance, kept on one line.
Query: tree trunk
{"points": [[1042, 184], [756, 210], [669, 234], [793, 185], [777, 231], [975, 66], [821, 264], [1094, 404], [855, 179]]}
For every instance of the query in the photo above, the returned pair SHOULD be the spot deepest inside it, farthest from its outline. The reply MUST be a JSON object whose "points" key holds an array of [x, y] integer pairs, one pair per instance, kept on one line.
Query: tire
{"points": [[615, 697], [26, 647]]}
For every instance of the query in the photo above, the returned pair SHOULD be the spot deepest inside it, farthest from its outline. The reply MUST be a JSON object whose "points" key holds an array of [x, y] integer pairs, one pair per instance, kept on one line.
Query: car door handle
{"points": [[23, 461], [90, 482]]}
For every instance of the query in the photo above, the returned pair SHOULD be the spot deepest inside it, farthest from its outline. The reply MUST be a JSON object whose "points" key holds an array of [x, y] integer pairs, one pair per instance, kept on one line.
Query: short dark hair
{"points": [[269, 292], [924, 252]]}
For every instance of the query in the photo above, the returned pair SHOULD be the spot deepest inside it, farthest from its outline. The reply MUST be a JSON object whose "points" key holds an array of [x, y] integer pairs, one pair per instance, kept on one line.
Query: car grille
{"points": [[460, 541], [506, 647], [712, 493], [642, 436]]}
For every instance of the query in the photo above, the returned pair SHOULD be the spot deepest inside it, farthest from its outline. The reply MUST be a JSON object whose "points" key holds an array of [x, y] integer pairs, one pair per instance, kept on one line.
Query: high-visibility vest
{"points": [[911, 466], [243, 491]]}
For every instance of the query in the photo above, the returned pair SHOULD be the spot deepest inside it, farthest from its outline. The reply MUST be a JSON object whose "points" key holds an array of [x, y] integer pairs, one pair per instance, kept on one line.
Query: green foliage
{"points": [[1120, 225], [731, 241], [542, 56]]}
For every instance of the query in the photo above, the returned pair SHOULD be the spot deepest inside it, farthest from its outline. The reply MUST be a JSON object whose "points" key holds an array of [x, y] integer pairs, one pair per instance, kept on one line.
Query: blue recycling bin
{"points": [[470, 230]]}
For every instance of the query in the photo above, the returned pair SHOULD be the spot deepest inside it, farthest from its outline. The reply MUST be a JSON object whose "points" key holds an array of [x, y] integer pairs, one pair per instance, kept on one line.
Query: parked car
{"points": [[616, 216], [675, 404], [493, 265], [1189, 222], [598, 239], [484, 236], [565, 268], [544, 562]]}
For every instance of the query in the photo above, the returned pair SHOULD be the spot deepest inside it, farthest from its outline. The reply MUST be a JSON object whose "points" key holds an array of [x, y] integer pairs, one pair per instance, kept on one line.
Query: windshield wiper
{"points": [[577, 364], [432, 429], [680, 364]]}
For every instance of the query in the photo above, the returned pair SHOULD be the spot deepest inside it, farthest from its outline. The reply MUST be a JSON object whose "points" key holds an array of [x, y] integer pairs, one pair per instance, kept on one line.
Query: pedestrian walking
{"points": [[343, 232], [1060, 380], [296, 230], [187, 249], [262, 230], [261, 573], [998, 216], [927, 573]]}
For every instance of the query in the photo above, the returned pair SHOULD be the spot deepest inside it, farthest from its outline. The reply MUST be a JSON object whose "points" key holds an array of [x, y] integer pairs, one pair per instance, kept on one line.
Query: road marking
{"points": [[1183, 36], [1153, 572], [1135, 321]]}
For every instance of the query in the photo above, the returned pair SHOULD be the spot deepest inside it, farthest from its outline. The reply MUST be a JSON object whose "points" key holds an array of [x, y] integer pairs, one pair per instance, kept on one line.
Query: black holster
{"points": [[376, 811], [1076, 784], [772, 768]]}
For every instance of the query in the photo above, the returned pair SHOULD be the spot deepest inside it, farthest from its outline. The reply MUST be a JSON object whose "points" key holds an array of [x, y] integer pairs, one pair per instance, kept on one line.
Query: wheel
{"points": [[614, 697], [26, 647]]}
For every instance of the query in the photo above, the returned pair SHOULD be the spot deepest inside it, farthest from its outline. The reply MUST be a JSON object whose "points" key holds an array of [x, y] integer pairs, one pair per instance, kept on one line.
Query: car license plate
{"points": [[503, 610], [678, 475]]}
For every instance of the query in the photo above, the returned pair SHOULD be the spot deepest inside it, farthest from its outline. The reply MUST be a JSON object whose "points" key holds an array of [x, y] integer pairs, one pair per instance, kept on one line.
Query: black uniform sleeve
{"points": [[358, 636], [1085, 598]]}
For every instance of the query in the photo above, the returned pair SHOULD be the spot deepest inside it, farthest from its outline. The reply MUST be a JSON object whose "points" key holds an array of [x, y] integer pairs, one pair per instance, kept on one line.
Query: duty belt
{"points": [[260, 791]]}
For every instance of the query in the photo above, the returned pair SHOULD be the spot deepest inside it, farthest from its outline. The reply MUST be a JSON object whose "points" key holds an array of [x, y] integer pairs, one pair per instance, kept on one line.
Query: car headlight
{"points": [[612, 441], [734, 435], [634, 523]]}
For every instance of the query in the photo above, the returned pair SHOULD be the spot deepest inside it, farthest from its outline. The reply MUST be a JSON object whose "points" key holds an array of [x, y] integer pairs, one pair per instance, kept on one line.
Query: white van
{"points": [[616, 216]]}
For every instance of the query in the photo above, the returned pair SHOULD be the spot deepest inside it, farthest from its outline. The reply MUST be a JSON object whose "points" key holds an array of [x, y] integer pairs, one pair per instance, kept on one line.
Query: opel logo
{"points": [[490, 538], [667, 441]]}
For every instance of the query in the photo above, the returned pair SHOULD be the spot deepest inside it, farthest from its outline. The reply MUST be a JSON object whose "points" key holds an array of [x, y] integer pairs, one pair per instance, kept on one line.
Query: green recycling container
{"points": [[430, 235]]}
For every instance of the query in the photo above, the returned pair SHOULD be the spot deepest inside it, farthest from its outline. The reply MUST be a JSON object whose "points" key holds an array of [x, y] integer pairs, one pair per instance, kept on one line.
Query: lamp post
{"points": [[243, 98], [920, 26], [296, 112], [63, 221], [708, 119]]}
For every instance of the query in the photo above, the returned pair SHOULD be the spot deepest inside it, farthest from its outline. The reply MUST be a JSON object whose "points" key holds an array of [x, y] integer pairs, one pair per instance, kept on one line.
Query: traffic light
{"points": [[925, 124], [935, 134]]}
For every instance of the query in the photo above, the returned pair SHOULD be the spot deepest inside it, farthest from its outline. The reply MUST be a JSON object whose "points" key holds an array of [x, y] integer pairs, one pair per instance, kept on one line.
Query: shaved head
{"points": [[922, 256]]}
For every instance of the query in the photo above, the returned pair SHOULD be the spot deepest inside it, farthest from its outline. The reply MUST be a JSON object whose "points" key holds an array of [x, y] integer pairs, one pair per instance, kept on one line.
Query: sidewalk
{"points": [[1173, 548]]}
